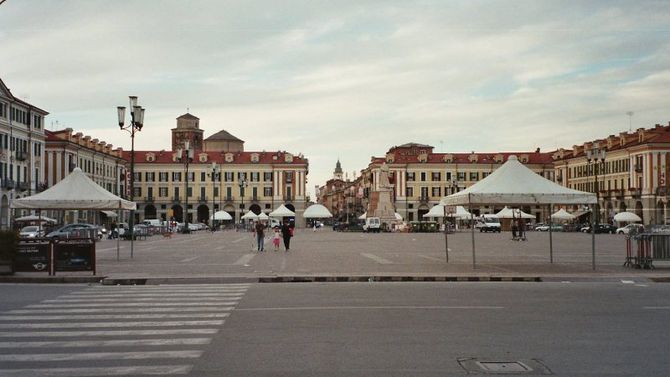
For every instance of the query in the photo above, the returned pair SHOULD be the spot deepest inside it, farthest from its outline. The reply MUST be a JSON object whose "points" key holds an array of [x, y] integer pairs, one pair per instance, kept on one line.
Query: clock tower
{"points": [[188, 129]]}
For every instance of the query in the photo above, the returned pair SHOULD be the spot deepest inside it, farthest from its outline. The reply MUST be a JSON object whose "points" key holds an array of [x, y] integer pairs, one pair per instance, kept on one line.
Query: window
{"points": [[474, 176], [410, 177], [423, 176], [163, 192], [460, 176], [190, 192], [409, 191], [267, 177], [435, 191], [255, 177], [203, 177], [267, 191], [436, 176], [229, 192], [137, 192], [289, 176], [150, 176], [191, 176], [3, 110], [228, 176], [176, 176], [242, 176], [138, 177], [163, 176]]}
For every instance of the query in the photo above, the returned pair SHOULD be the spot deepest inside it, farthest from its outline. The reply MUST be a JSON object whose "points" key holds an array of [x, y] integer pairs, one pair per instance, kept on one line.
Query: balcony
{"points": [[21, 156], [255, 198], [661, 191], [288, 198], [424, 199], [149, 199], [176, 199], [638, 168], [23, 186], [635, 193], [202, 199], [619, 194], [228, 198], [8, 183]]}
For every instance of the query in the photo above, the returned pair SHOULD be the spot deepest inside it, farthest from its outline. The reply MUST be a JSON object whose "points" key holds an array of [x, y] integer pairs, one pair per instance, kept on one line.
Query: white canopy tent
{"points": [[398, 217], [627, 217], [363, 216], [509, 213], [249, 216], [263, 216], [562, 214], [515, 184], [43, 219], [221, 216], [317, 211], [77, 191], [282, 211]]}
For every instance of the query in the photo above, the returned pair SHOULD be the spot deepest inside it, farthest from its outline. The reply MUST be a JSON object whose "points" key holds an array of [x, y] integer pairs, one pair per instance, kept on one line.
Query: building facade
{"points": [[421, 177], [633, 176], [22, 145], [221, 176]]}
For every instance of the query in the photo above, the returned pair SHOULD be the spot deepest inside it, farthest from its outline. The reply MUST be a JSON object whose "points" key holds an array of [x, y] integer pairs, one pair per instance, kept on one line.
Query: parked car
{"points": [[31, 232], [600, 228], [545, 228], [631, 229], [488, 223], [70, 230]]}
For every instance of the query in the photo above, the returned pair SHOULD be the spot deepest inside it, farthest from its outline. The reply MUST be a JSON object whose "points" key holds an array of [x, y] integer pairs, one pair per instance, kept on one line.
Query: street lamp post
{"points": [[136, 123], [215, 178], [242, 184], [593, 157], [185, 155]]}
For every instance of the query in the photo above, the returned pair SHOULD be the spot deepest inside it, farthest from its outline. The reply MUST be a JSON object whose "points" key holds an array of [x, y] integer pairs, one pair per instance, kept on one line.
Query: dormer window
{"points": [[448, 158], [498, 158], [390, 158], [229, 157], [202, 157], [255, 158], [523, 158], [288, 157], [150, 157], [423, 157]]}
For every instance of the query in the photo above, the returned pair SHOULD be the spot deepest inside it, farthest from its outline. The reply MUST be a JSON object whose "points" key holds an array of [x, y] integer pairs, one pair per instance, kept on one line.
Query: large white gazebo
{"points": [[515, 184]]}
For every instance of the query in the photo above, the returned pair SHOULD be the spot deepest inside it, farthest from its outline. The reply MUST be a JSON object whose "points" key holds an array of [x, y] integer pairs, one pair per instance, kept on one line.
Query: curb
{"points": [[316, 279], [52, 279]]}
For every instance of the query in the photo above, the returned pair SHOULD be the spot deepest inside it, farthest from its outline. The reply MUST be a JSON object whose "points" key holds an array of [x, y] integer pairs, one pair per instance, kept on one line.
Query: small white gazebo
{"points": [[317, 211], [249, 216], [627, 217], [263, 216], [513, 213], [562, 214], [221, 216], [282, 211]]}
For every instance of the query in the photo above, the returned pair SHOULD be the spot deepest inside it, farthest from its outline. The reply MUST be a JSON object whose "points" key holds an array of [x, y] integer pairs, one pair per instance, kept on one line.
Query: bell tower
{"points": [[188, 129]]}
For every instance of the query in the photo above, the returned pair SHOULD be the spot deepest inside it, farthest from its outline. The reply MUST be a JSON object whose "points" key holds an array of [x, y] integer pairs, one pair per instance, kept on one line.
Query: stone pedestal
{"points": [[381, 206]]}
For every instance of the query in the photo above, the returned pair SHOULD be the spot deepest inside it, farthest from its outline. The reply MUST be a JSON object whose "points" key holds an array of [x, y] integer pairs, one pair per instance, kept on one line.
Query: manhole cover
{"points": [[515, 367], [504, 366]]}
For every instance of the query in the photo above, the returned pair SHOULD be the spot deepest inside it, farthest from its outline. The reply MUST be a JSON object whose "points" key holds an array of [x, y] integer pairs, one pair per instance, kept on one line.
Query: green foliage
{"points": [[9, 245]]}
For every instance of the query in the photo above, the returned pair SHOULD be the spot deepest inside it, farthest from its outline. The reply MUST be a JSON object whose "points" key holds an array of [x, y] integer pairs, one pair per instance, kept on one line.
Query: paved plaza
{"points": [[324, 252]]}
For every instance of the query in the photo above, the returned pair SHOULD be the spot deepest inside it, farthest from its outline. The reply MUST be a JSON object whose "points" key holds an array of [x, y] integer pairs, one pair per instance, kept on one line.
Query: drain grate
{"points": [[516, 367]]}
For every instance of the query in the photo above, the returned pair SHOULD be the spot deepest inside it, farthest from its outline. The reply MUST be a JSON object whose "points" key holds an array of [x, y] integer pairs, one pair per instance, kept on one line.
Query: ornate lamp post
{"points": [[185, 155], [242, 183], [594, 156], [215, 178], [136, 123]]}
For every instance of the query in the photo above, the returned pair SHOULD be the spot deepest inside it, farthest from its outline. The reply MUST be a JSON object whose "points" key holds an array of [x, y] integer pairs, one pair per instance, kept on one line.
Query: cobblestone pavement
{"points": [[231, 253]]}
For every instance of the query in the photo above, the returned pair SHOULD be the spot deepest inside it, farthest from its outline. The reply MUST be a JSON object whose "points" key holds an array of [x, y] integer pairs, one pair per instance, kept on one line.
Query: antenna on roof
{"points": [[187, 109], [630, 121]]}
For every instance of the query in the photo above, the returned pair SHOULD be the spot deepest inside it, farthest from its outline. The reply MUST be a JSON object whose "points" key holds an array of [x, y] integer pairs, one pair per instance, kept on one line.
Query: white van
{"points": [[274, 222], [372, 224], [488, 223], [153, 222]]}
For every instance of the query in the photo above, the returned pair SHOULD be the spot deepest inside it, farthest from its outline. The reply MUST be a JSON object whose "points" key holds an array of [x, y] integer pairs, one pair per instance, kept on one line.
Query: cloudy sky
{"points": [[346, 79]]}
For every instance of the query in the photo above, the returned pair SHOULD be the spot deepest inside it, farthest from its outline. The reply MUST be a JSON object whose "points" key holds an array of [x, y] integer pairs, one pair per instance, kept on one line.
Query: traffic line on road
{"points": [[244, 259], [189, 259], [376, 308], [99, 371], [656, 308], [112, 316], [430, 258], [137, 355], [136, 293], [376, 258], [125, 310], [74, 325], [147, 299], [126, 304], [51, 334], [108, 343]]}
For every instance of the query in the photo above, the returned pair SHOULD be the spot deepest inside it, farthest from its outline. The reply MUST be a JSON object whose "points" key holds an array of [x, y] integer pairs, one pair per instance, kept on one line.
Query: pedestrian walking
{"points": [[275, 238], [260, 235], [286, 233]]}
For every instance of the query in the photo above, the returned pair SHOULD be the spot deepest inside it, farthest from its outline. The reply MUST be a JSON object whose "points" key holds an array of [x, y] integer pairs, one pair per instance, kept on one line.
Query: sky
{"points": [[345, 79]]}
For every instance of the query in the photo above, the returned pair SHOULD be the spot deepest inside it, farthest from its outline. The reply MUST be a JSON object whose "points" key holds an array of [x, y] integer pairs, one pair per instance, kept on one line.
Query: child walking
{"points": [[275, 239]]}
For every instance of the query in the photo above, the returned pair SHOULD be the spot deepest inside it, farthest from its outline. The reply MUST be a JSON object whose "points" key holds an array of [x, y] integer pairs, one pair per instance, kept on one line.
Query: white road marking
{"points": [[189, 259], [102, 371], [125, 310], [112, 316], [108, 343], [656, 308], [430, 258], [51, 334], [244, 259], [74, 325], [377, 259], [137, 355], [377, 308], [219, 298], [125, 304], [136, 293], [628, 281]]}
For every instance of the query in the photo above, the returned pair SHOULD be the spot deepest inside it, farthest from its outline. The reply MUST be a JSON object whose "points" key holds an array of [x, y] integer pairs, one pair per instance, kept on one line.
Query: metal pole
{"points": [[131, 222], [593, 240], [186, 230], [118, 216], [472, 231], [446, 232], [551, 240]]}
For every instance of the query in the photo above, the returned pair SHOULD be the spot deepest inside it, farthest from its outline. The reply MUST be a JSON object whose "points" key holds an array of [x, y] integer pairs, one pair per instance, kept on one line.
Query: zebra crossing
{"points": [[115, 331]]}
